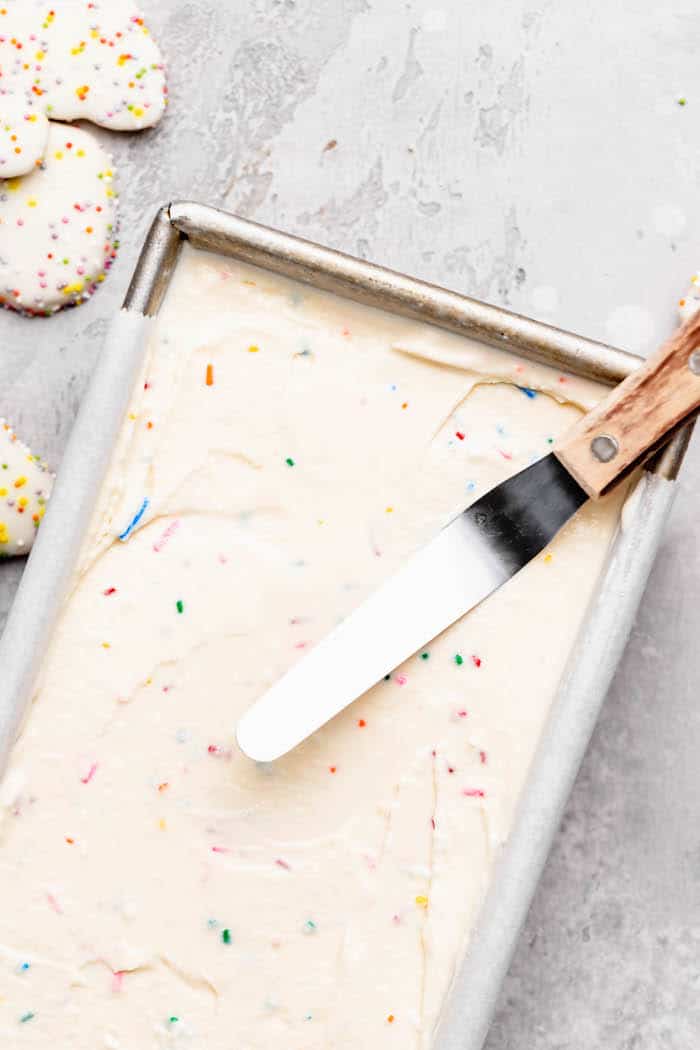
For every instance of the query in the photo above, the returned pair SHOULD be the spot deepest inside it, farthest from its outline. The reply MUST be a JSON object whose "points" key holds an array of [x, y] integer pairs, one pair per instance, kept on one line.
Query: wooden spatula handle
{"points": [[639, 413]]}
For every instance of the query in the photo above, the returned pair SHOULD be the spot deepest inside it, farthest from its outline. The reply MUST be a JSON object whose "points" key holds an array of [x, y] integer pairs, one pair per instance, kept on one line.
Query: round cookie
{"points": [[24, 132], [75, 60], [689, 304], [57, 225], [25, 486]]}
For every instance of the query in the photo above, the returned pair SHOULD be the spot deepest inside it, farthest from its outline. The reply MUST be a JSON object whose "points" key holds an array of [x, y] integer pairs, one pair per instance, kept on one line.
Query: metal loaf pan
{"points": [[470, 1006]]}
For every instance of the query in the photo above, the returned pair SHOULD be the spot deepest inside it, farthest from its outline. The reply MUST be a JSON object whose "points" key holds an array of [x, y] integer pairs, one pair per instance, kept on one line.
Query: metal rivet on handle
{"points": [[604, 448], [694, 362]]}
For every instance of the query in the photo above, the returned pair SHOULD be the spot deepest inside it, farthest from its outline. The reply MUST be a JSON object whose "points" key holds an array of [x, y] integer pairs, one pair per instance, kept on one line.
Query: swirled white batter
{"points": [[284, 452]]}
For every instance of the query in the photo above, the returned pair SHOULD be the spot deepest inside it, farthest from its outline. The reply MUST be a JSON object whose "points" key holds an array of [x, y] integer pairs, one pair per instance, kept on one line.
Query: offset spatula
{"points": [[480, 549]]}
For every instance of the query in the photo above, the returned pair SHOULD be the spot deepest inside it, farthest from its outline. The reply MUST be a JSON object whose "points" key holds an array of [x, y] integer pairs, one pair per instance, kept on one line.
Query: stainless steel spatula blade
{"points": [[482, 548], [471, 557]]}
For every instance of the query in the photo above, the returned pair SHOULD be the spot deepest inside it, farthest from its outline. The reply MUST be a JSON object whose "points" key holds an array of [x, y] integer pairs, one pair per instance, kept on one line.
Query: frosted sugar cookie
{"points": [[57, 225], [25, 484]]}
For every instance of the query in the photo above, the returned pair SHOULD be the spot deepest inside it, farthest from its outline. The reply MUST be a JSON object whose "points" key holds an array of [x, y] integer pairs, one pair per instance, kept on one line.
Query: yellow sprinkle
{"points": [[58, 154], [106, 645], [39, 56], [3, 492], [253, 349], [76, 287], [422, 901], [390, 510], [13, 185], [23, 502], [548, 558], [20, 482], [81, 153], [31, 203], [161, 824], [138, 112], [132, 415], [4, 534]]}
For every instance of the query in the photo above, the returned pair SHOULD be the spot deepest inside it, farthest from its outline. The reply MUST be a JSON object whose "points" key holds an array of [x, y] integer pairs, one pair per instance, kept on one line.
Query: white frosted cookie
{"points": [[24, 131], [74, 60], [689, 304], [57, 225], [25, 485]]}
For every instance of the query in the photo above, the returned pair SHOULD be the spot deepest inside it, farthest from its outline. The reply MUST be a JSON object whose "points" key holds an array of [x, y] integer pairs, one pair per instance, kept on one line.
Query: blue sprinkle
{"points": [[130, 528], [527, 391], [23, 967], [393, 386], [471, 485], [500, 429]]}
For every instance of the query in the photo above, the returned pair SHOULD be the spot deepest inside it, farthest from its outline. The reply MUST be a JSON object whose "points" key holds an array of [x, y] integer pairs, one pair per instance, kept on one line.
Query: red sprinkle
{"points": [[220, 849], [482, 757], [361, 723], [332, 769], [90, 774], [506, 455], [55, 906], [476, 660], [282, 864], [110, 590], [474, 793], [460, 435], [166, 535]]}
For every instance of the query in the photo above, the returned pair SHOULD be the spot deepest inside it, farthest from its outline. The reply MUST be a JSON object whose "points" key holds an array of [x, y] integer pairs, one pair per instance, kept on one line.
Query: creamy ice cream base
{"points": [[284, 452]]}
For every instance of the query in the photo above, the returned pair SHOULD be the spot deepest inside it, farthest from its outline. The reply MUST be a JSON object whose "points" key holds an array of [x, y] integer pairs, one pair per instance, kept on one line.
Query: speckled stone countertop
{"points": [[536, 155]]}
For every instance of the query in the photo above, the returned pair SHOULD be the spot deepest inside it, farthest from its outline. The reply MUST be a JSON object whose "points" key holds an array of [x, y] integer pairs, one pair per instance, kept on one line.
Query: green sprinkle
{"points": [[550, 441], [173, 1020], [212, 924], [289, 461], [180, 606], [459, 659], [683, 101], [310, 926], [309, 1017], [226, 936], [26, 1017], [425, 656]]}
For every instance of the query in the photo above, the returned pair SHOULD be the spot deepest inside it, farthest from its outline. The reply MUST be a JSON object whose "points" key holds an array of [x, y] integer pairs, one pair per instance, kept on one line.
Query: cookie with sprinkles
{"points": [[57, 225], [689, 303], [78, 60], [24, 132], [25, 486]]}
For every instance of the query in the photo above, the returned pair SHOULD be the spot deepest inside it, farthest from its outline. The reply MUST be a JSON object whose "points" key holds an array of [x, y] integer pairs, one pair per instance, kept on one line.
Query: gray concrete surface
{"points": [[532, 153]]}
